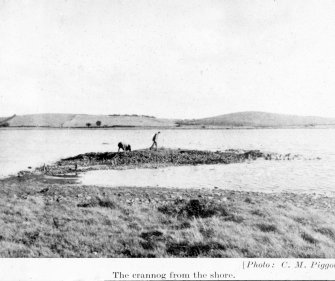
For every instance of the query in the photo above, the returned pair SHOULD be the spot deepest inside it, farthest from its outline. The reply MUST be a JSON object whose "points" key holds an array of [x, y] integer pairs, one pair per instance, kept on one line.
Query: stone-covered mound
{"points": [[146, 159]]}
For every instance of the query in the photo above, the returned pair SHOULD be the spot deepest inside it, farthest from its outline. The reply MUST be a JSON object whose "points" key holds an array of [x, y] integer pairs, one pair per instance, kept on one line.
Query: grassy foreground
{"points": [[43, 217]]}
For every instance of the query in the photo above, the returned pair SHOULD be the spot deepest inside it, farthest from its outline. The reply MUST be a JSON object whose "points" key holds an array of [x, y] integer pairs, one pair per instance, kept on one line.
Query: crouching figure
{"points": [[124, 146]]}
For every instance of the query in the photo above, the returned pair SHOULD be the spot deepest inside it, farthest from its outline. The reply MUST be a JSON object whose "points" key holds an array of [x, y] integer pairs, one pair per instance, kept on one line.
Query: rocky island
{"points": [[146, 158]]}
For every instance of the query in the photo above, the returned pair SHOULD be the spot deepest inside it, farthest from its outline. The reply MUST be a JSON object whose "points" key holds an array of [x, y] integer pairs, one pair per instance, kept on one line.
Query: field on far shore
{"points": [[46, 216]]}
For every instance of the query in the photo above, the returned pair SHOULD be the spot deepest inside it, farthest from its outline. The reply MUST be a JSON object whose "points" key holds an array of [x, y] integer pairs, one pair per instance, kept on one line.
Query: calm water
{"points": [[21, 148]]}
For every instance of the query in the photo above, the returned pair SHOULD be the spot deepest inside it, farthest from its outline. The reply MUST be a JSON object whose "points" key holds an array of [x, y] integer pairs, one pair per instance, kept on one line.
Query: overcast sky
{"points": [[176, 59]]}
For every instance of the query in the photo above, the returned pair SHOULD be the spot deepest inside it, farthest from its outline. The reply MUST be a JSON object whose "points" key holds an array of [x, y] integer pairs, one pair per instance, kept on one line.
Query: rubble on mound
{"points": [[145, 159]]}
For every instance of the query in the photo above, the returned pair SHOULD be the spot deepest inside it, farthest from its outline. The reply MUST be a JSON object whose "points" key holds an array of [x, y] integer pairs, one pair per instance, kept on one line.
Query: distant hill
{"points": [[40, 120], [259, 119], [239, 119], [81, 120]]}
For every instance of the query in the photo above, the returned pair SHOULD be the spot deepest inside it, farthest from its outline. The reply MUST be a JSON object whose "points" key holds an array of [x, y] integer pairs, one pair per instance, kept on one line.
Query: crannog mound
{"points": [[152, 159]]}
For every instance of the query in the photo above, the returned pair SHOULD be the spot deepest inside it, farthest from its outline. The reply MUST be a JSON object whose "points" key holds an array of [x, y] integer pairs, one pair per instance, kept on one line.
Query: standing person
{"points": [[154, 139]]}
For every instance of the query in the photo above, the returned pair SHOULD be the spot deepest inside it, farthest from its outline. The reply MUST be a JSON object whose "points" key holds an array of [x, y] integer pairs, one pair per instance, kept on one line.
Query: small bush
{"points": [[308, 238], [185, 249], [326, 231], [301, 220], [150, 234], [267, 227], [234, 218], [106, 204], [150, 239], [97, 202], [4, 125], [182, 225], [194, 208], [30, 238], [248, 200]]}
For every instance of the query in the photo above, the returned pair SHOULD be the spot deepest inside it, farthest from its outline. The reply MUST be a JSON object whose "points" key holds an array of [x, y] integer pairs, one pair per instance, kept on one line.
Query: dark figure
{"points": [[154, 139], [124, 146]]}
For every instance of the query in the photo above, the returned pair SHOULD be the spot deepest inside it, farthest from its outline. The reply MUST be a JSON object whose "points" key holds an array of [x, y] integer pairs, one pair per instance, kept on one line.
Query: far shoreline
{"points": [[166, 128]]}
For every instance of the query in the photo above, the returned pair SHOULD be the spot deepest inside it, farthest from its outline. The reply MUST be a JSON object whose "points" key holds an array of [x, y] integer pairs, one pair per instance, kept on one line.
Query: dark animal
{"points": [[124, 146]]}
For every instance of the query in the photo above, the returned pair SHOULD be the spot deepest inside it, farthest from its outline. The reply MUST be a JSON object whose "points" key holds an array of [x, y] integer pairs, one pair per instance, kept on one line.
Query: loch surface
{"points": [[21, 148]]}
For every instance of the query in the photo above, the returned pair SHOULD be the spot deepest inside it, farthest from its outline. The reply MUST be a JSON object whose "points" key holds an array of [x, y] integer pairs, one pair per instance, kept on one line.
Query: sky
{"points": [[173, 59]]}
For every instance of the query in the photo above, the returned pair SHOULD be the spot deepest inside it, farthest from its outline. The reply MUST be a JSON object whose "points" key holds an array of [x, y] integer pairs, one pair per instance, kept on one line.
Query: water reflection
{"points": [[260, 175]]}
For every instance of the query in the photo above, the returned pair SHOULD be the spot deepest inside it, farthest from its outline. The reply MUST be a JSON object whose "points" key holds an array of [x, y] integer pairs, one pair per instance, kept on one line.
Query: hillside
{"points": [[81, 120], [259, 119], [40, 120], [239, 119]]}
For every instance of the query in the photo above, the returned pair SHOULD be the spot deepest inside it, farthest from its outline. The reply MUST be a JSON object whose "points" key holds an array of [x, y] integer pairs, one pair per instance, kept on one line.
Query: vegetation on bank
{"points": [[44, 217], [4, 125]]}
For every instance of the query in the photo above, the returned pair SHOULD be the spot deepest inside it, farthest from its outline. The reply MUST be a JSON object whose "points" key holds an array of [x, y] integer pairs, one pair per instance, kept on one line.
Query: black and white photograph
{"points": [[167, 129]]}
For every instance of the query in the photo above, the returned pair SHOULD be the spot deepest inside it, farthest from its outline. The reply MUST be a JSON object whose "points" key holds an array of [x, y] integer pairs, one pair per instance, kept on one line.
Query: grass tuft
{"points": [[97, 202], [327, 231], [267, 227], [309, 238], [194, 208], [185, 249]]}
